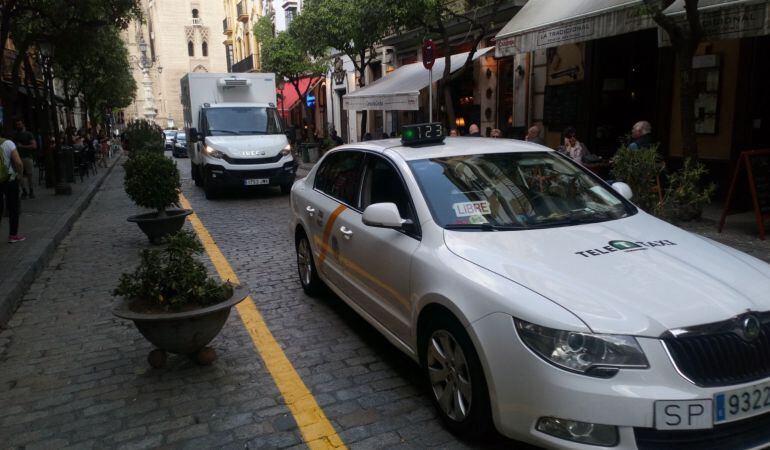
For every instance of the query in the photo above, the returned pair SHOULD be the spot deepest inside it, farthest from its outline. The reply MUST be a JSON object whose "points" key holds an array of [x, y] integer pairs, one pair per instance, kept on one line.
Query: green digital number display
{"points": [[423, 133]]}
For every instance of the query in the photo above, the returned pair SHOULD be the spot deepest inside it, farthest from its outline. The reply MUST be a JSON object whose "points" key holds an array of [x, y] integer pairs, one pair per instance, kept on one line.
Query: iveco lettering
{"points": [[536, 298]]}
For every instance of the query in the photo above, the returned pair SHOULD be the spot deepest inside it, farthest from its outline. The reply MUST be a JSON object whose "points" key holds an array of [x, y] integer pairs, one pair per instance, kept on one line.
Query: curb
{"points": [[33, 263]]}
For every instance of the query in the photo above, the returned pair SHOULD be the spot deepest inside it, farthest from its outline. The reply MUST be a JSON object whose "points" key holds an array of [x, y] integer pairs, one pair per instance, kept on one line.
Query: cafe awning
{"points": [[726, 19], [546, 23], [400, 90], [289, 98]]}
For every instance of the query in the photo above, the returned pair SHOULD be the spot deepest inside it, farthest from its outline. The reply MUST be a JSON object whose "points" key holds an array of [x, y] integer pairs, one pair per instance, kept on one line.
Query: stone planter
{"points": [[156, 227], [184, 333]]}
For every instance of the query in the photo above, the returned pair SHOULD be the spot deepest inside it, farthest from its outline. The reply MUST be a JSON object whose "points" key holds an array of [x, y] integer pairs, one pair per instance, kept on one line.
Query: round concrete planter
{"points": [[185, 333], [156, 227]]}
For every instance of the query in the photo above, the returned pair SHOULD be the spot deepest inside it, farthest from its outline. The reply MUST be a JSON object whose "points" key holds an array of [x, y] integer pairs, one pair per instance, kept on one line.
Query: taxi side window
{"points": [[382, 184], [340, 176]]}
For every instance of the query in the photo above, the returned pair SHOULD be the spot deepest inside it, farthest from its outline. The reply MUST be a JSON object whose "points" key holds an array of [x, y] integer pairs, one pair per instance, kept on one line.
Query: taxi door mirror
{"points": [[383, 215], [623, 189]]}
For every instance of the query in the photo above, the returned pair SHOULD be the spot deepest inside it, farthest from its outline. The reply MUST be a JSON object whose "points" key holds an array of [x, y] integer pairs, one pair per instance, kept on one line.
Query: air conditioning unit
{"points": [[232, 82]]}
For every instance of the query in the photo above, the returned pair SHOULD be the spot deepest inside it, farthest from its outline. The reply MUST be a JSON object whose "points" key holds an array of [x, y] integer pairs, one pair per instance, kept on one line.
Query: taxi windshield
{"points": [[522, 190]]}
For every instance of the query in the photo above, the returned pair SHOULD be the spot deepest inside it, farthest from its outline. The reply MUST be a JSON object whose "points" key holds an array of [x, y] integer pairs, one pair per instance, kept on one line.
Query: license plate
{"points": [[683, 414], [256, 181], [742, 403]]}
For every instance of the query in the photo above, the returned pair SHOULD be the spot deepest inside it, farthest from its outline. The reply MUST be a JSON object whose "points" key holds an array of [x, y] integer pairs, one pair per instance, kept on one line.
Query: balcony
{"points": [[197, 22], [227, 26], [243, 14], [244, 65]]}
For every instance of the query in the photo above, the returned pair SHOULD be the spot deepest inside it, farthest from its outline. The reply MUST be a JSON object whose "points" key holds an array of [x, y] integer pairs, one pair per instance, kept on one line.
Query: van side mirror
{"points": [[193, 135], [623, 189], [383, 215]]}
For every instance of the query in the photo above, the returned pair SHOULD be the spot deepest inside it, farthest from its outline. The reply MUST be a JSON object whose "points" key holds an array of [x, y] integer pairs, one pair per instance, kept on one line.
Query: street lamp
{"points": [[144, 64]]}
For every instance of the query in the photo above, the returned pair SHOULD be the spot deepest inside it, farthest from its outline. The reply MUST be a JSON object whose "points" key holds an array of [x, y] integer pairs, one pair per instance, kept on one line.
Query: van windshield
{"points": [[243, 121]]}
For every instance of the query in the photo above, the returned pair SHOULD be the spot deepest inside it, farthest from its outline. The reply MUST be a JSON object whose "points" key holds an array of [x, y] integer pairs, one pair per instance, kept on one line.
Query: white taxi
{"points": [[537, 298]]}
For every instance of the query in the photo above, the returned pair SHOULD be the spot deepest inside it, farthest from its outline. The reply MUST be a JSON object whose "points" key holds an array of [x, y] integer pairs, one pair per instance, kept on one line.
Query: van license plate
{"points": [[742, 403], [256, 181]]}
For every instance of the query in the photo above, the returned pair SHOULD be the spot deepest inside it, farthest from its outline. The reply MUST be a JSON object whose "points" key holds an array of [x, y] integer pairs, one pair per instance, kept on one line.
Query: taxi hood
{"points": [[251, 146], [638, 276]]}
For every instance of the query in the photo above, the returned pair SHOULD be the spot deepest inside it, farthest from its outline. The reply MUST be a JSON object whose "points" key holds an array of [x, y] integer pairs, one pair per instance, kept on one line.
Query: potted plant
{"points": [[641, 170], [152, 181], [685, 195], [173, 302]]}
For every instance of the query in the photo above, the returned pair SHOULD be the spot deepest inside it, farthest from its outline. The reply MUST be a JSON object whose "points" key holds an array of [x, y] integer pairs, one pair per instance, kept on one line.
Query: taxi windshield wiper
{"points": [[481, 227]]}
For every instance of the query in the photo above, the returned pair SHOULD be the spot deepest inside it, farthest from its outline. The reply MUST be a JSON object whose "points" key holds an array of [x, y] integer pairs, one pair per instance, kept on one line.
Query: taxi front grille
{"points": [[722, 358], [247, 161]]}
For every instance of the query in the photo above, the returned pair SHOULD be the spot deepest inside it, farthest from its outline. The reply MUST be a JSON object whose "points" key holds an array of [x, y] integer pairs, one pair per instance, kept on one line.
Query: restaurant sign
{"points": [[729, 22]]}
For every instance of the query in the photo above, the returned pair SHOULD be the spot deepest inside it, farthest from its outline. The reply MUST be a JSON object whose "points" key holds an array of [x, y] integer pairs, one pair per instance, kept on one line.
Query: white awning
{"points": [[548, 23], [400, 90], [725, 19]]}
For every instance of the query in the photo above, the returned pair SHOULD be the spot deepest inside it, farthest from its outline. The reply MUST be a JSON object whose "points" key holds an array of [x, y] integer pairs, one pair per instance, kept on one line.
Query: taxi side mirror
{"points": [[623, 189], [383, 215]]}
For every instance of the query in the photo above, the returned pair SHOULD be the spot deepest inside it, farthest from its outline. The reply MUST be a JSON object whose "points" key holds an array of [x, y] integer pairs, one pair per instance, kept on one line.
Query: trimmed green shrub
{"points": [[640, 169], [152, 181], [172, 278], [144, 136]]}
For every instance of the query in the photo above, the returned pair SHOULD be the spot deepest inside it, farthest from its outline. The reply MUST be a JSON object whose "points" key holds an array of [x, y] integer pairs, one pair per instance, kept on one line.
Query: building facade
{"points": [[241, 47], [177, 37]]}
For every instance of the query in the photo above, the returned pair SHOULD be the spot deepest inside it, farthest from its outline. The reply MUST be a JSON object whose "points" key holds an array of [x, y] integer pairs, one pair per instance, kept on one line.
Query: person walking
{"points": [[26, 145], [10, 166]]}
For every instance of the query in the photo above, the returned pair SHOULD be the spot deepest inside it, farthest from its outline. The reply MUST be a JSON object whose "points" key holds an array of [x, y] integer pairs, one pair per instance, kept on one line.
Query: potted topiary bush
{"points": [[143, 136], [173, 302], [640, 169], [152, 181]]}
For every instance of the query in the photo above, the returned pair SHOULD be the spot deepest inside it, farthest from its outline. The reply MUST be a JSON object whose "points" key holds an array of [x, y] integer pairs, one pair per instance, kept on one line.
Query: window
{"points": [[195, 13], [383, 184], [229, 55], [339, 176], [230, 121], [205, 49], [190, 49], [290, 14]]}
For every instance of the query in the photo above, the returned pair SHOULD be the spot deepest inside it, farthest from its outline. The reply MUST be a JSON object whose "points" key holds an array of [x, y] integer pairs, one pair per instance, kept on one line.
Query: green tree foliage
{"points": [[152, 181], [352, 27], [687, 193], [172, 278], [287, 57]]}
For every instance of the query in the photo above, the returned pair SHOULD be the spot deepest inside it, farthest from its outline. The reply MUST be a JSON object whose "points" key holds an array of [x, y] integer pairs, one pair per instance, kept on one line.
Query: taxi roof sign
{"points": [[422, 134]]}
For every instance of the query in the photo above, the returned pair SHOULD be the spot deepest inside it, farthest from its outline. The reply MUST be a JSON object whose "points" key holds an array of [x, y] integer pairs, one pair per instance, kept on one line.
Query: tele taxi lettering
{"points": [[624, 246]]}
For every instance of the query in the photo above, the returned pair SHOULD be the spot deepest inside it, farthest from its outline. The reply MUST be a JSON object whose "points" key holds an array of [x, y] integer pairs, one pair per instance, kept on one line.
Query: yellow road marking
{"points": [[316, 429]]}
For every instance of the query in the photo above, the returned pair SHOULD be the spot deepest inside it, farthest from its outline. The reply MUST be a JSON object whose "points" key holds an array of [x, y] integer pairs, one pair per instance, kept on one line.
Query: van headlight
{"points": [[591, 354], [214, 153], [286, 150]]}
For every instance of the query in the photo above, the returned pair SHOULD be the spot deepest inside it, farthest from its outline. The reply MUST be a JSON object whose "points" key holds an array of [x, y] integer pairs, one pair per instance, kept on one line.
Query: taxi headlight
{"points": [[592, 354], [214, 153], [286, 150]]}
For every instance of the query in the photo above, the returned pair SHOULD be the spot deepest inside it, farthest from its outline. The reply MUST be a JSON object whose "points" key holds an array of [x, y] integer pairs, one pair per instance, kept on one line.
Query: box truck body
{"points": [[234, 133]]}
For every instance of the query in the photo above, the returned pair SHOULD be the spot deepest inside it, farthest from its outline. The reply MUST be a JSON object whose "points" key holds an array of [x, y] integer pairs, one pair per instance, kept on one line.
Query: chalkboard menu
{"points": [[561, 105], [757, 169]]}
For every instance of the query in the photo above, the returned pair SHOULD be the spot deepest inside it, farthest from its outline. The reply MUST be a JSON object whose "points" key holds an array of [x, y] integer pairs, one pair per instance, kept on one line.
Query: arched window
{"points": [[205, 48], [195, 13], [190, 49]]}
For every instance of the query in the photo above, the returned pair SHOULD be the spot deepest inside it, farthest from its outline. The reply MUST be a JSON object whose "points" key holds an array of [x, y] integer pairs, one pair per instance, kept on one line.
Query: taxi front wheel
{"points": [[308, 277], [456, 379]]}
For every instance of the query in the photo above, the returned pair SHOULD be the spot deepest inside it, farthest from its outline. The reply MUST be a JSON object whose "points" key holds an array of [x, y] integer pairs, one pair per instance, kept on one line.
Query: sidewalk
{"points": [[44, 221]]}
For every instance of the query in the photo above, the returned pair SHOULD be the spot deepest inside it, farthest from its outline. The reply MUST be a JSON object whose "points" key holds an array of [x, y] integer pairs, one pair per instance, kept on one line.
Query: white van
{"points": [[235, 136]]}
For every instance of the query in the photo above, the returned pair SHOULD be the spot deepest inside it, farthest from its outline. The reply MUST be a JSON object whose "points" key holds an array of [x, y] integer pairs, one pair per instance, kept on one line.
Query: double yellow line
{"points": [[316, 429]]}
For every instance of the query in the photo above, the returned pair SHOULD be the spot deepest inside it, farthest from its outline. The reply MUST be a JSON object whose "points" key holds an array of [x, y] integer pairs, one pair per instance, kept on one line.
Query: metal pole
{"points": [[430, 95]]}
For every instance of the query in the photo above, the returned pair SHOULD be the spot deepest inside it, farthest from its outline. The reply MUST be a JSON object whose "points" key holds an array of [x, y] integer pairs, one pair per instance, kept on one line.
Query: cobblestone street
{"points": [[74, 376]]}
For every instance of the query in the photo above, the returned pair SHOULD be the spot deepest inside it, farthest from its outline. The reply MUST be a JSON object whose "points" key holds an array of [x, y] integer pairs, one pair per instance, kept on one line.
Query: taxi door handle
{"points": [[346, 233], [310, 210]]}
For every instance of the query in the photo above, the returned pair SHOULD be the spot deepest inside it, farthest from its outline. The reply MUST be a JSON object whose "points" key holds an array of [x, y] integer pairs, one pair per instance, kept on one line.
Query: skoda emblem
{"points": [[751, 328]]}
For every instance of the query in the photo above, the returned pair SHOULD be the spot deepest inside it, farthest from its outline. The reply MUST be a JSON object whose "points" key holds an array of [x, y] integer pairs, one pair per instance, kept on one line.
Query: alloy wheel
{"points": [[304, 262], [449, 375]]}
